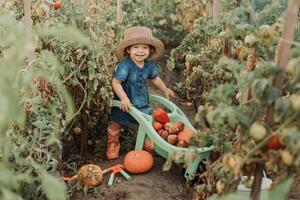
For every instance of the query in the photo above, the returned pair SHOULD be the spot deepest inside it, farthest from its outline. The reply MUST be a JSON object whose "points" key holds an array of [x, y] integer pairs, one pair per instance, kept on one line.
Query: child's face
{"points": [[139, 52]]}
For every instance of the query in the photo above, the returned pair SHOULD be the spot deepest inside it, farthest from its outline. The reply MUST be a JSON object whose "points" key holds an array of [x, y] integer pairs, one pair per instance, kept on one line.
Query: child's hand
{"points": [[169, 93], [125, 104]]}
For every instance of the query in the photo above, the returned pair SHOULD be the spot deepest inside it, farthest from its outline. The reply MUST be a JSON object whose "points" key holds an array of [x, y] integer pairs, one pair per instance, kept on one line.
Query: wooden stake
{"points": [[28, 30], [216, 10], [283, 48], [94, 4], [119, 9], [106, 4], [209, 8]]}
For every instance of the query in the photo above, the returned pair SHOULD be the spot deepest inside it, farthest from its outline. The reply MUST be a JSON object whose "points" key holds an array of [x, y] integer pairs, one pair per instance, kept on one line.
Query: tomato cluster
{"points": [[258, 132], [174, 133]]}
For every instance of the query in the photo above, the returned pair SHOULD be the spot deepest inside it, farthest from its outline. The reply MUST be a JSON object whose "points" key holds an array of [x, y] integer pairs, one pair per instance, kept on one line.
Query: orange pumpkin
{"points": [[90, 175], [138, 161], [185, 136]]}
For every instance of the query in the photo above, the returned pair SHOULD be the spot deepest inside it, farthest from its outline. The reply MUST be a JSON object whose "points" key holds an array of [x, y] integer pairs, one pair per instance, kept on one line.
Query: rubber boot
{"points": [[113, 143]]}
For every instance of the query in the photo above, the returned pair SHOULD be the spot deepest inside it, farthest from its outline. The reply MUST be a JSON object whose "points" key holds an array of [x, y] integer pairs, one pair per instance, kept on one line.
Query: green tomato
{"points": [[190, 58], [290, 68], [257, 131], [295, 100], [287, 157], [250, 39], [265, 30]]}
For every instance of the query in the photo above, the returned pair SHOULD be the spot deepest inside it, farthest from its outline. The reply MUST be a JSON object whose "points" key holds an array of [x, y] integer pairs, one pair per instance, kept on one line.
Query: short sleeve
{"points": [[121, 72], [153, 71]]}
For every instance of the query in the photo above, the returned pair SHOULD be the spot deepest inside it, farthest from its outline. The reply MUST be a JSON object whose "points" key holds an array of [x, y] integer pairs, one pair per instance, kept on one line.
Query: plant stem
{"points": [[82, 103], [28, 29], [258, 174]]}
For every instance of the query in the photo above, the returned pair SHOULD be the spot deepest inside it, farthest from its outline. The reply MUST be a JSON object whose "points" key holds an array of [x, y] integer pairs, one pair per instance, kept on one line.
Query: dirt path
{"points": [[153, 185]]}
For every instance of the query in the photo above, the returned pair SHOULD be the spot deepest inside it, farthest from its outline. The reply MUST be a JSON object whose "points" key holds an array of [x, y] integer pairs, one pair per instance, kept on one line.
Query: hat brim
{"points": [[156, 43]]}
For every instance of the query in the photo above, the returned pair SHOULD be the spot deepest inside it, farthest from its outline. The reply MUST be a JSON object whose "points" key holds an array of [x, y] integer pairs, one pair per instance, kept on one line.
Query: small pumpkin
{"points": [[185, 136], [90, 175], [138, 161]]}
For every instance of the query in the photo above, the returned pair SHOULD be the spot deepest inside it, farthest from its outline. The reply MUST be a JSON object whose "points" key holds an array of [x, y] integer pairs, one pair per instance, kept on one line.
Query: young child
{"points": [[129, 81]]}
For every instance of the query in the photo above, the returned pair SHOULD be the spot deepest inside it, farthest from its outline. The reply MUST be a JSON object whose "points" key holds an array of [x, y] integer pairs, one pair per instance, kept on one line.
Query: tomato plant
{"points": [[37, 106]]}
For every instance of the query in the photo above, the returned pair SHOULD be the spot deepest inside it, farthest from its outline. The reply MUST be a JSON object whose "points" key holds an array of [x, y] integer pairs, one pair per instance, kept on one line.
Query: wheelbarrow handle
{"points": [[111, 180], [125, 175], [70, 178]]}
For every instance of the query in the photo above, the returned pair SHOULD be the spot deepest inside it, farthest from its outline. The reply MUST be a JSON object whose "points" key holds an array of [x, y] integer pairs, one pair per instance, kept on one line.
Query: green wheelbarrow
{"points": [[162, 147]]}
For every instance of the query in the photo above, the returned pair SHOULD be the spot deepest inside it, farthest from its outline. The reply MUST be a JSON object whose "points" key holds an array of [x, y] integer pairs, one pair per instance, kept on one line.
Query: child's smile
{"points": [[139, 53]]}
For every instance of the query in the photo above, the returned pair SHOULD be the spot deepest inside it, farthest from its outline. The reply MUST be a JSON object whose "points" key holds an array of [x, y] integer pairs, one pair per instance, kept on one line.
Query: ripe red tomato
{"points": [[157, 126], [160, 115], [164, 134], [57, 5], [274, 143]]}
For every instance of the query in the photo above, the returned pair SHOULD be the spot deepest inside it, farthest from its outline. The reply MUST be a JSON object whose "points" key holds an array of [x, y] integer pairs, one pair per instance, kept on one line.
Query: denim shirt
{"points": [[134, 83]]}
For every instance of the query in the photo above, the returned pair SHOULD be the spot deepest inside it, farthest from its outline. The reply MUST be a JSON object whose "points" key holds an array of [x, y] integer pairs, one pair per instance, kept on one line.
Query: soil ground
{"points": [[155, 184]]}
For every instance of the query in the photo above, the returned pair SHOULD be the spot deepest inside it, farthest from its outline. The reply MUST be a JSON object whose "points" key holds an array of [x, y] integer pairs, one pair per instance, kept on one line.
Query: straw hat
{"points": [[138, 35]]}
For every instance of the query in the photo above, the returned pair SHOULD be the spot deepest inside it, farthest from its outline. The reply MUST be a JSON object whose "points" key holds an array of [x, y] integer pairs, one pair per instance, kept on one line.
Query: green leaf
{"points": [[5, 177], [263, 91], [53, 188], [67, 34], [232, 196], [281, 190], [258, 88], [223, 93], [281, 108], [8, 194]]}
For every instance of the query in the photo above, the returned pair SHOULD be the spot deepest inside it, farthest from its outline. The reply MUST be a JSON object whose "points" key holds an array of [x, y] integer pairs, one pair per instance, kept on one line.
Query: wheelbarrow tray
{"points": [[161, 146]]}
